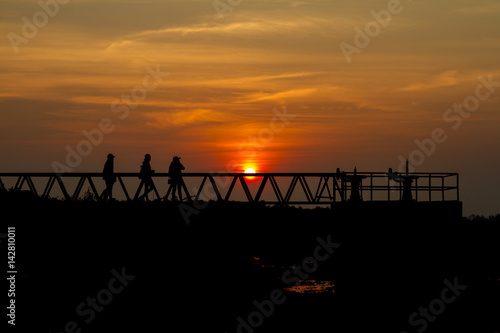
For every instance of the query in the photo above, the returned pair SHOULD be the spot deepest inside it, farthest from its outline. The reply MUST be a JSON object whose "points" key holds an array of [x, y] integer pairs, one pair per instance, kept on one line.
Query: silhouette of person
{"points": [[407, 181], [175, 174], [355, 181], [145, 174], [108, 175]]}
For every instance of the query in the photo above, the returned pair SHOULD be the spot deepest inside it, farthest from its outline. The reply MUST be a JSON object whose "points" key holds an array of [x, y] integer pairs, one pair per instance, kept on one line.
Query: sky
{"points": [[279, 86]]}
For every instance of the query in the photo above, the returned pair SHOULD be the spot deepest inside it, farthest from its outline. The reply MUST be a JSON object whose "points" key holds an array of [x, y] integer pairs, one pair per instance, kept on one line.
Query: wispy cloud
{"points": [[246, 25], [278, 96], [244, 80], [176, 118], [473, 7], [445, 79]]}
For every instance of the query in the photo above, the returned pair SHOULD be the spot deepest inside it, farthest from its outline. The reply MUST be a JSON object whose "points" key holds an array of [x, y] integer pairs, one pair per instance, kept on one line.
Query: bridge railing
{"points": [[273, 188]]}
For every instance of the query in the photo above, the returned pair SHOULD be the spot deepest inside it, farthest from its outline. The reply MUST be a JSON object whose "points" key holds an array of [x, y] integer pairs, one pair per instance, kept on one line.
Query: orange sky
{"points": [[229, 78]]}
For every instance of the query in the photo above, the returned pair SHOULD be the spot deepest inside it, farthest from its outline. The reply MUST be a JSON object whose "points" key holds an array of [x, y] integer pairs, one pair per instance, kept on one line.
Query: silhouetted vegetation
{"points": [[481, 218]]}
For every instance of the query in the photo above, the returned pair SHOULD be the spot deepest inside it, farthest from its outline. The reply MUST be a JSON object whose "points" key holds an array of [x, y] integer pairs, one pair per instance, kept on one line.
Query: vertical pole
{"points": [[334, 183], [361, 189], [416, 189], [388, 189], [344, 189], [442, 188], [430, 185], [371, 186]]}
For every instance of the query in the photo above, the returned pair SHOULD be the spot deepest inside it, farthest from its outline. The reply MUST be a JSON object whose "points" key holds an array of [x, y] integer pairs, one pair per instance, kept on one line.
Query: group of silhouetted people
{"points": [[145, 174]]}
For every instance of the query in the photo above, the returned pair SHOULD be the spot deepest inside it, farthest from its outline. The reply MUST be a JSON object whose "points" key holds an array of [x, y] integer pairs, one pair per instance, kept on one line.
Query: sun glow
{"points": [[249, 171]]}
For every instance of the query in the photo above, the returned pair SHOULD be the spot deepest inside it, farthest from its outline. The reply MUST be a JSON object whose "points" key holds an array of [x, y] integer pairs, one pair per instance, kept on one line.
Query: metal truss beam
{"points": [[331, 187]]}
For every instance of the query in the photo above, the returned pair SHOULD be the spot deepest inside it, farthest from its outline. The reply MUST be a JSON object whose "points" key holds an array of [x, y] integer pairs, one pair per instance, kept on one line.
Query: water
{"points": [[312, 287], [305, 286]]}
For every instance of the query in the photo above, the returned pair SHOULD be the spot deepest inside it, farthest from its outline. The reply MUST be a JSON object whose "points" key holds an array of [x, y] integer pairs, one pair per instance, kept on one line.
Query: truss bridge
{"points": [[273, 188]]}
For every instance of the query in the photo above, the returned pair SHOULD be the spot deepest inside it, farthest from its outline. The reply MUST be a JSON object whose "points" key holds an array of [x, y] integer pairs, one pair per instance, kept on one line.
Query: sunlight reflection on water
{"points": [[312, 287]]}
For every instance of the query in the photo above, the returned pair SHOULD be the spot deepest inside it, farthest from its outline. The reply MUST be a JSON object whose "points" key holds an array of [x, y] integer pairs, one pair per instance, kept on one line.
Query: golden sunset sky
{"points": [[267, 84]]}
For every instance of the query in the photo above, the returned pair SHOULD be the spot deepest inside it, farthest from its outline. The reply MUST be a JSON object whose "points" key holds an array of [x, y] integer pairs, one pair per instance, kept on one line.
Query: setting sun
{"points": [[249, 171]]}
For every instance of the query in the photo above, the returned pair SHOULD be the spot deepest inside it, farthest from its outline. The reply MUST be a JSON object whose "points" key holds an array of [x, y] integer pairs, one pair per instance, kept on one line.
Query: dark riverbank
{"points": [[385, 262]]}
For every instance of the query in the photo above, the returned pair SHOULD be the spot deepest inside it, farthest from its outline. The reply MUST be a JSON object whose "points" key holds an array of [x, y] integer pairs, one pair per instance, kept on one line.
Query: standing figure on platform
{"points": [[175, 174], [108, 175], [145, 174], [407, 181], [356, 184]]}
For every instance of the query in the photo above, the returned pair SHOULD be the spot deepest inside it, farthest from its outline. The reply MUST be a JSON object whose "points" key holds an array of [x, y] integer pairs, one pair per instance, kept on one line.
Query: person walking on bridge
{"points": [[174, 171], [145, 174], [108, 175]]}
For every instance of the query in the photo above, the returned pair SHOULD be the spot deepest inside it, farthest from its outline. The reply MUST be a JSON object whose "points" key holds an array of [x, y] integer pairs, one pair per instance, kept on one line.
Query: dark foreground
{"points": [[138, 267]]}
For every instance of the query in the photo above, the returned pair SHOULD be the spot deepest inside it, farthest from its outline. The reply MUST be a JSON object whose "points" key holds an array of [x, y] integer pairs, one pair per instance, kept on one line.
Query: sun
{"points": [[249, 171]]}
